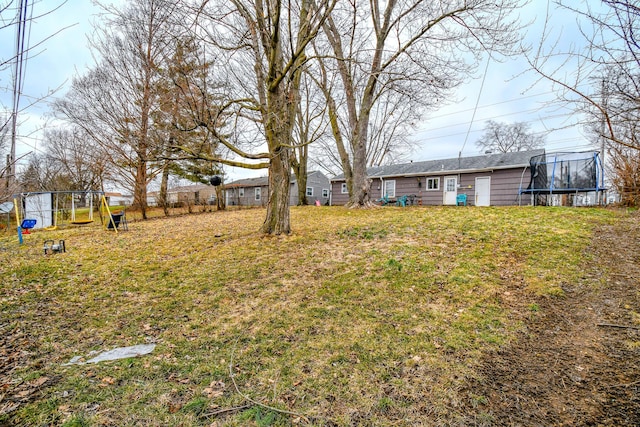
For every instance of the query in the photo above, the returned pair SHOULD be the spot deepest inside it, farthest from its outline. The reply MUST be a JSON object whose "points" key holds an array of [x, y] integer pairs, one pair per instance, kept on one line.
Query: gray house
{"points": [[254, 191], [492, 179]]}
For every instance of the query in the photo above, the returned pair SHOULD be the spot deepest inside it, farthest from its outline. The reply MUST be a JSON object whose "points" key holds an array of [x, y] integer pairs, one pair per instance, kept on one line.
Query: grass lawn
{"points": [[360, 317]]}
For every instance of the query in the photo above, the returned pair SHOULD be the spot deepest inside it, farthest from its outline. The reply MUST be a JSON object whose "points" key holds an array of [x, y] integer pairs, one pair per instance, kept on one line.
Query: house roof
{"points": [[262, 181], [188, 188], [454, 165]]}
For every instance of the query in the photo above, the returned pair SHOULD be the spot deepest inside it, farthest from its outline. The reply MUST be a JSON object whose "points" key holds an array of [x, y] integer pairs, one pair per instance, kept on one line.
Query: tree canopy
{"points": [[508, 137]]}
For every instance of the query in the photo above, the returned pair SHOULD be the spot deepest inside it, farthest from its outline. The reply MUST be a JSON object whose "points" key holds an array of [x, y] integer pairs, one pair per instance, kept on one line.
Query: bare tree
{"points": [[43, 173], [114, 102], [4, 149], [508, 137], [264, 44], [624, 162], [309, 128], [392, 119], [418, 49], [80, 160], [605, 83]]}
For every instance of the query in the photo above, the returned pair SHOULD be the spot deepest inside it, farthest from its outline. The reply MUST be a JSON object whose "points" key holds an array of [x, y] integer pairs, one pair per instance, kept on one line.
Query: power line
{"points": [[455, 125], [475, 109], [23, 34]]}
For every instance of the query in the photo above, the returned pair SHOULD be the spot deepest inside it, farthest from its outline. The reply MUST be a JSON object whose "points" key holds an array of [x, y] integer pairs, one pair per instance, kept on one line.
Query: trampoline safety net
{"points": [[564, 173]]}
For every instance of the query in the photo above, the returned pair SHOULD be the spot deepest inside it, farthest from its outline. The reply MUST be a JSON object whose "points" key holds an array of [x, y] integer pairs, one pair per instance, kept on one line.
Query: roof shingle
{"points": [[454, 165]]}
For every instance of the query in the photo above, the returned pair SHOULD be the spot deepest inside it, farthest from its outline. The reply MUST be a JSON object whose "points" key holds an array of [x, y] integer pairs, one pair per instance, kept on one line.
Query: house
{"points": [[255, 191], [118, 199], [491, 179], [185, 195], [318, 188]]}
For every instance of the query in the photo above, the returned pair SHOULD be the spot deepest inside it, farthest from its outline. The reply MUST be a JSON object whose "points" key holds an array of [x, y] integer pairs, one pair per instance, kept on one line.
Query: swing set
{"points": [[77, 221], [54, 209]]}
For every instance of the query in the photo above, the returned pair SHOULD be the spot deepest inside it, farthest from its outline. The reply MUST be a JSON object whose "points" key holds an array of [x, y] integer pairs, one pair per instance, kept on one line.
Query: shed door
{"points": [[483, 191], [450, 190]]}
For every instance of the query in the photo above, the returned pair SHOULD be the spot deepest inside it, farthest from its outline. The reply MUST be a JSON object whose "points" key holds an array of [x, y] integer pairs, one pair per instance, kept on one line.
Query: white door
{"points": [[483, 191], [450, 190]]}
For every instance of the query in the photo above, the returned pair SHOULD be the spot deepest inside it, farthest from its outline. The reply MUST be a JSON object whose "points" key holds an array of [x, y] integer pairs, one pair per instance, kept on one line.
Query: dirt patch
{"points": [[577, 361]]}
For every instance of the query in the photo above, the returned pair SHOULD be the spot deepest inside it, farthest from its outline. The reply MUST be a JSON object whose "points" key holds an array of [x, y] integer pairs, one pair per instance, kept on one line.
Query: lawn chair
{"points": [[384, 200], [461, 199], [402, 201], [117, 220]]}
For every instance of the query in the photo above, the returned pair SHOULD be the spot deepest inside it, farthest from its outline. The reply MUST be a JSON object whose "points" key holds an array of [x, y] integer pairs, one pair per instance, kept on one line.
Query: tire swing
{"points": [[75, 221]]}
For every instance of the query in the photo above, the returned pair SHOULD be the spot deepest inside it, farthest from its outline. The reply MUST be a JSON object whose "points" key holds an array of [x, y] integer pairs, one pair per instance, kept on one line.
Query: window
{"points": [[258, 193], [241, 192], [451, 184], [390, 188], [344, 190], [325, 193], [309, 191], [433, 183]]}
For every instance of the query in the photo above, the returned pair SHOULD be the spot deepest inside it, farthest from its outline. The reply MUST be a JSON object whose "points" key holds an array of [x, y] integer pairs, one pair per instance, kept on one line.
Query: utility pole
{"points": [[603, 141], [22, 21]]}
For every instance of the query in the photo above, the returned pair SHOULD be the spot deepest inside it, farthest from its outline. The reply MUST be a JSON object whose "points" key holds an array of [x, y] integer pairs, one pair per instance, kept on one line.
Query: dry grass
{"points": [[360, 317]]}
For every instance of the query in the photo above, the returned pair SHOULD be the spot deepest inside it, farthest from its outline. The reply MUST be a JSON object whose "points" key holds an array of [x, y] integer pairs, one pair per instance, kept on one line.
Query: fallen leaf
{"points": [[211, 393], [25, 393], [215, 389], [39, 381], [174, 407], [107, 381]]}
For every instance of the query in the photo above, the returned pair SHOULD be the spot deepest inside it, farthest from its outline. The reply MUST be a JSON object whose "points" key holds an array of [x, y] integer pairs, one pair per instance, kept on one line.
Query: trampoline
{"points": [[578, 175]]}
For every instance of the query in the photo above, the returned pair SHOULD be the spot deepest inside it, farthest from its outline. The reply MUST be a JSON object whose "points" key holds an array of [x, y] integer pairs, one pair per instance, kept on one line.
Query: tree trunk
{"points": [[164, 187], [278, 219], [220, 199], [361, 184], [300, 170], [140, 191], [302, 190]]}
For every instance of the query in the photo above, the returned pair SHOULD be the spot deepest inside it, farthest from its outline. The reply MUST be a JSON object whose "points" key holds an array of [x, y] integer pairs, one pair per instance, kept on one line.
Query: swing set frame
{"points": [[50, 208]]}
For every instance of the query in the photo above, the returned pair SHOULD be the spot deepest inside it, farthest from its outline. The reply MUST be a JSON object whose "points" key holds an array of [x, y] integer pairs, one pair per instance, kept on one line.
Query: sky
{"points": [[505, 91], [59, 51], [502, 93]]}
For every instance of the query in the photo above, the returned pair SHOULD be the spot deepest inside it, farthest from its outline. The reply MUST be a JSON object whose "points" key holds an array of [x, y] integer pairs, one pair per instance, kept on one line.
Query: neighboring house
{"points": [[318, 188], [255, 191], [247, 192], [118, 199], [491, 179], [185, 195]]}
